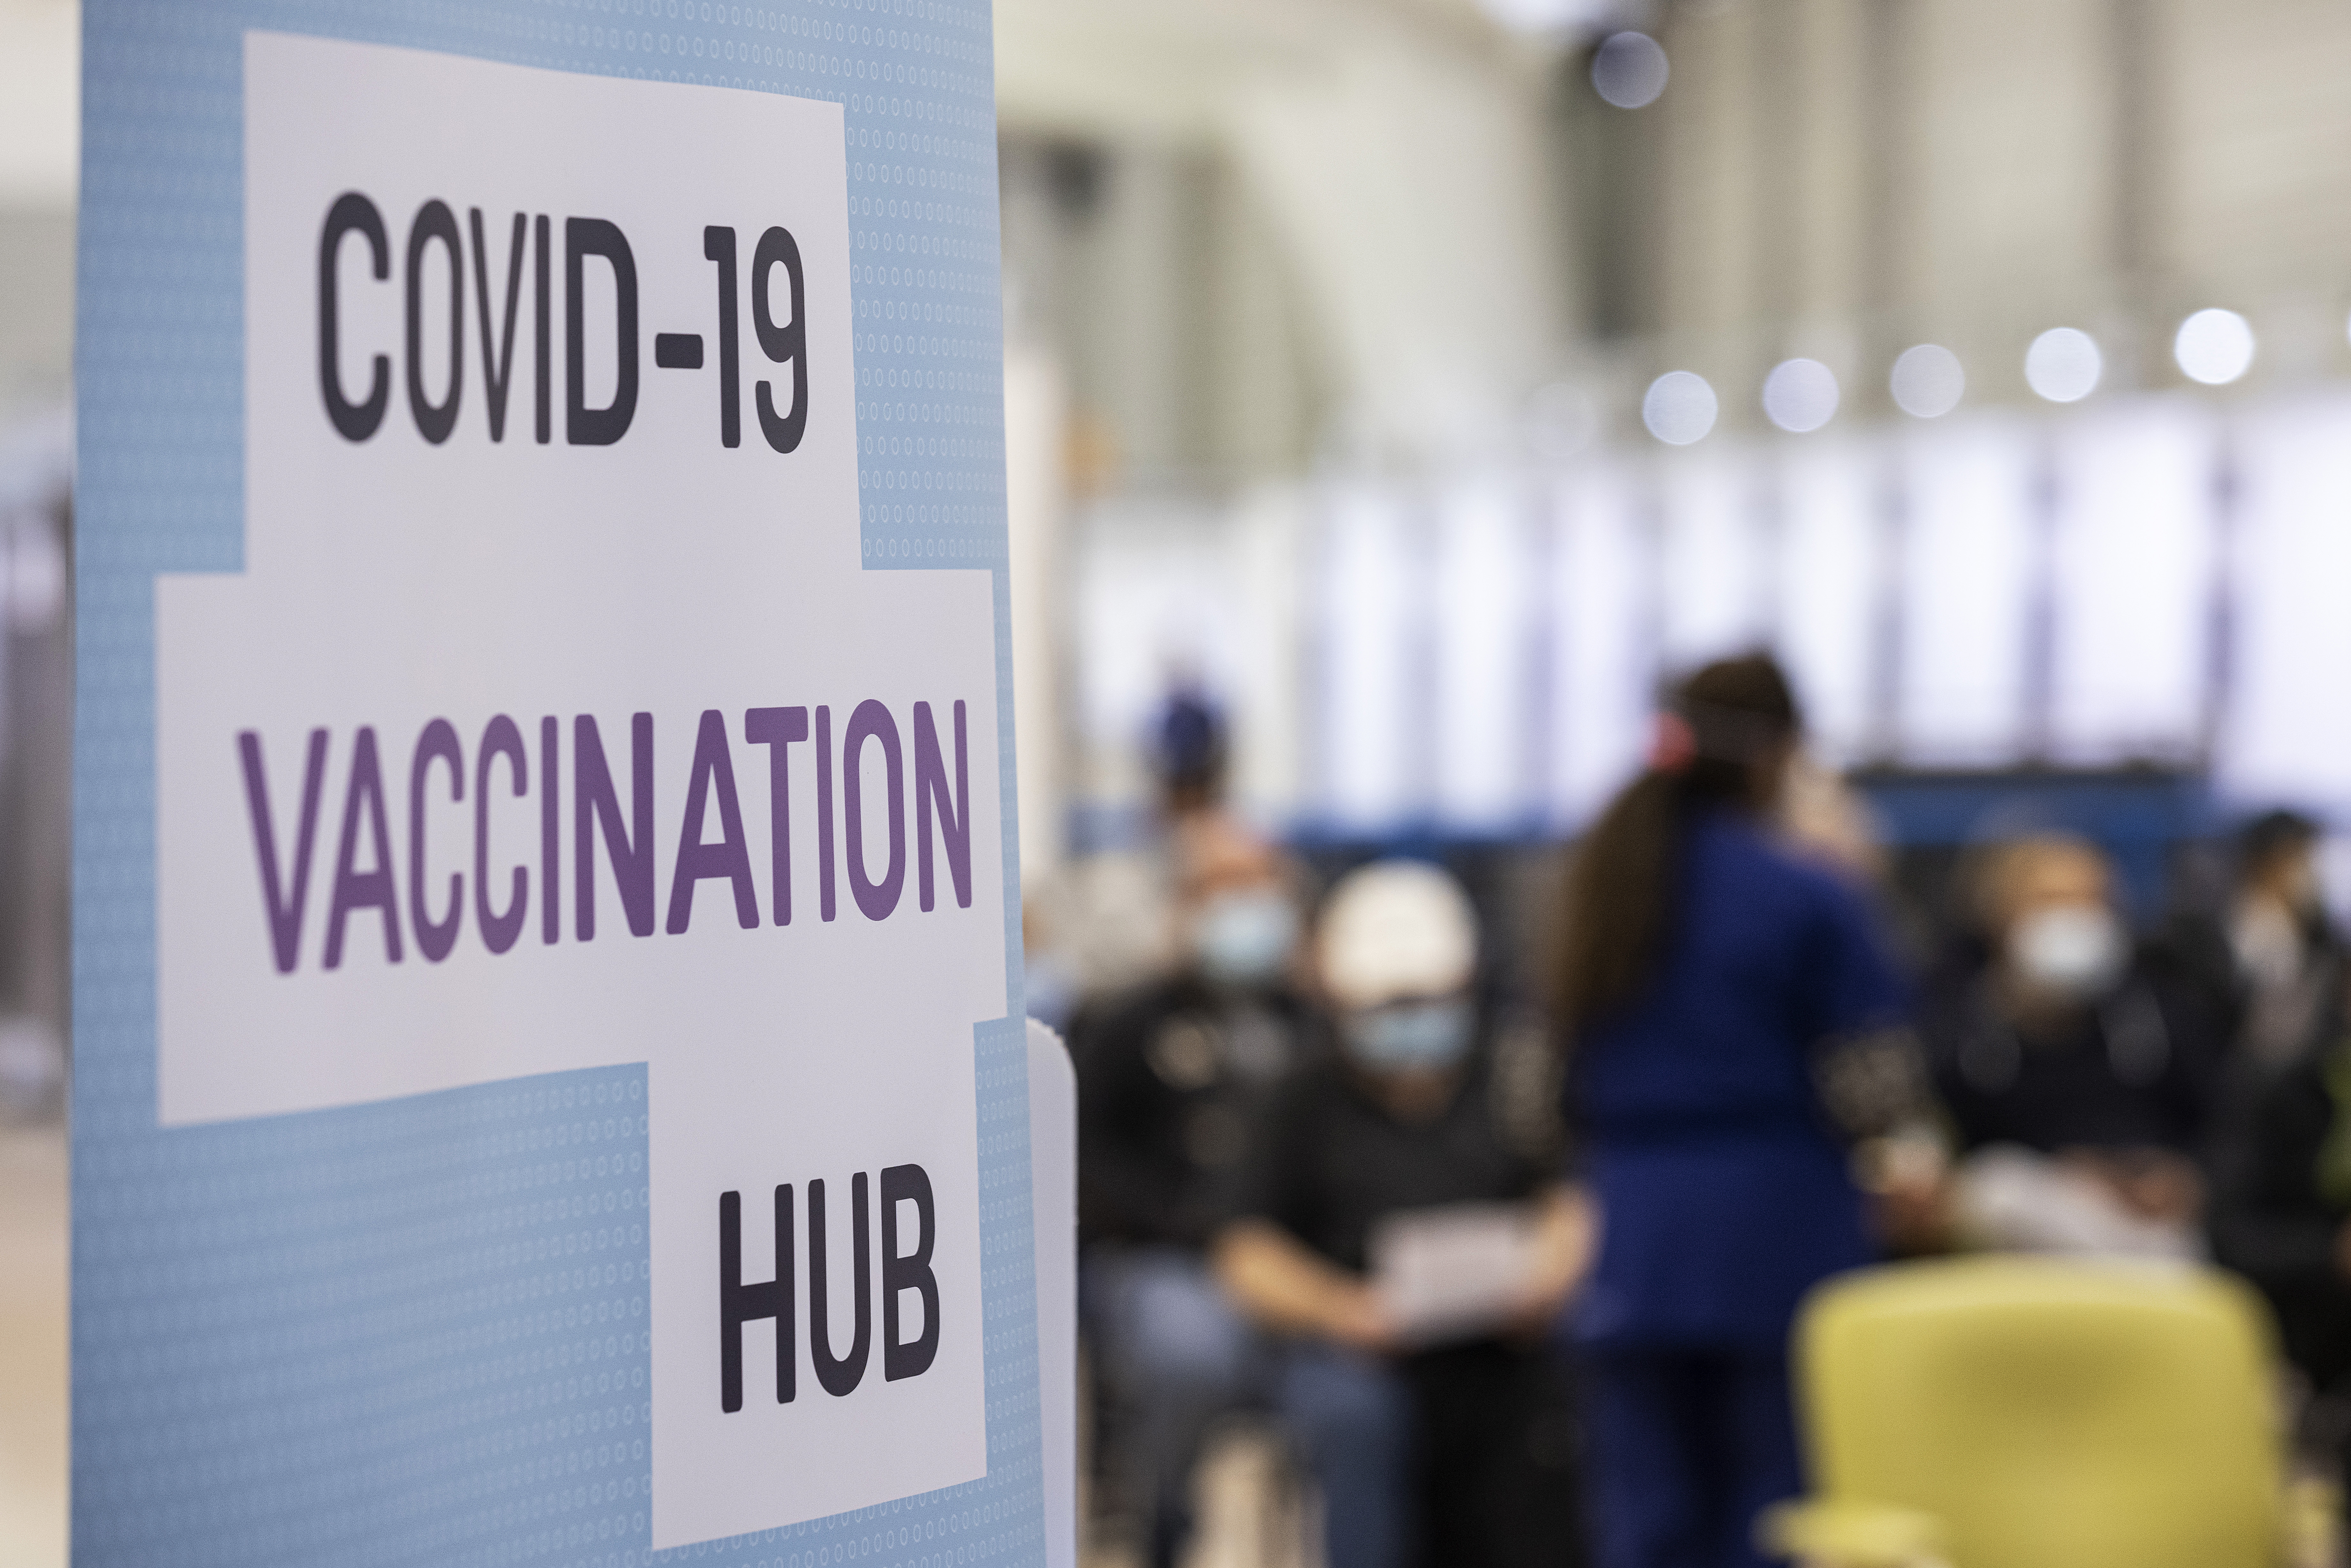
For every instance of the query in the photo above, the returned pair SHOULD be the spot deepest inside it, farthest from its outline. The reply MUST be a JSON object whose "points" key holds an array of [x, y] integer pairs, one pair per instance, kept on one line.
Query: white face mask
{"points": [[2074, 951]]}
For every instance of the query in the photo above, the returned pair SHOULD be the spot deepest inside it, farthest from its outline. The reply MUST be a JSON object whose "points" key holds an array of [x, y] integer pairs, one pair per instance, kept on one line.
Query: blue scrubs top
{"points": [[1724, 1193]]}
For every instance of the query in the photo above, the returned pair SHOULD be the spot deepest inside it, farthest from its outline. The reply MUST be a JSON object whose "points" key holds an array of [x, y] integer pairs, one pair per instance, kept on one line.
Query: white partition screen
{"points": [[1603, 642], [2132, 580], [1715, 572], [1371, 664], [1831, 573], [2283, 738], [1966, 576], [1485, 623]]}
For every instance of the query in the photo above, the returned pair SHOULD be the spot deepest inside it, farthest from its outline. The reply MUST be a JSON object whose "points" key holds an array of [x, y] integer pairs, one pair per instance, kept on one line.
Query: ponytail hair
{"points": [[1721, 732]]}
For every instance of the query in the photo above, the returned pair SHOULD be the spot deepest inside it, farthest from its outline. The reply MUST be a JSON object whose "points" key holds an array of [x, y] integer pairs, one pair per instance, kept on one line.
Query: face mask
{"points": [[2074, 951], [1244, 938], [1409, 1037]]}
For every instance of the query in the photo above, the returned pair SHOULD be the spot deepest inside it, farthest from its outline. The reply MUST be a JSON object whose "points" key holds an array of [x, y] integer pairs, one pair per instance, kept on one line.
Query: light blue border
{"points": [[413, 1331]]}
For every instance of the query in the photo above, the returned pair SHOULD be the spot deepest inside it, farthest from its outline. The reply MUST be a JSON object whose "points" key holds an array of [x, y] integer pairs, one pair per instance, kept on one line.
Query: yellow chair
{"points": [[2027, 1413]]}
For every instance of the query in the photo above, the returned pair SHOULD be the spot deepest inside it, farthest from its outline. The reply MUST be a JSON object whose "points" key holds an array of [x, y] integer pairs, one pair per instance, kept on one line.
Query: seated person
{"points": [[1415, 1377], [2264, 961], [1171, 1079], [2281, 1218], [2078, 1089]]}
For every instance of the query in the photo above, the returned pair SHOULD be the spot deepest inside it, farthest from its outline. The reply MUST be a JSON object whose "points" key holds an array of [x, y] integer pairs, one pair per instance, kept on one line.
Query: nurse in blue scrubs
{"points": [[1715, 988]]}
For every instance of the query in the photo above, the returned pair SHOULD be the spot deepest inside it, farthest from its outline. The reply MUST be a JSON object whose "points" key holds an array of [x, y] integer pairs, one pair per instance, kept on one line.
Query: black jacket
{"points": [[2272, 1223], [2136, 1069], [1173, 1080]]}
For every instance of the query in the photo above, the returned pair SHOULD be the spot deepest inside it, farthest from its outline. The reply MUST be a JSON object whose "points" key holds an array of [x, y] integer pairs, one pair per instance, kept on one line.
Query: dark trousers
{"points": [[1501, 1467], [1460, 1457], [1685, 1448], [2314, 1318]]}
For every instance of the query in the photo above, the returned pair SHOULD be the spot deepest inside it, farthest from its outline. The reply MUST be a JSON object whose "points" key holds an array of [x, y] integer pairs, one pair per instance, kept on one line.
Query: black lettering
{"points": [[543, 342], [739, 1303], [786, 342], [911, 1272], [435, 221], [718, 245], [841, 1376], [497, 360], [352, 213], [585, 426]]}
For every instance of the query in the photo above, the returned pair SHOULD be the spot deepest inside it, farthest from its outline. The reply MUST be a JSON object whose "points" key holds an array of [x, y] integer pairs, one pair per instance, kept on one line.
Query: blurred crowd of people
{"points": [[1512, 1268]]}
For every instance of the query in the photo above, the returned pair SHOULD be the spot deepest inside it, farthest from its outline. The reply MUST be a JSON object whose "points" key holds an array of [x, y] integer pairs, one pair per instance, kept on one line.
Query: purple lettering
{"points": [[775, 728], [550, 748], [356, 889], [596, 803], [872, 721], [824, 905], [730, 857], [370, 876], [439, 741], [500, 738], [284, 904], [954, 825]]}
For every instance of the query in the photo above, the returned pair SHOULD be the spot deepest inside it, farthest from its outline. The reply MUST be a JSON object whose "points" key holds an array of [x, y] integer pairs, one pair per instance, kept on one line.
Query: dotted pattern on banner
{"points": [[376, 1335], [391, 1334]]}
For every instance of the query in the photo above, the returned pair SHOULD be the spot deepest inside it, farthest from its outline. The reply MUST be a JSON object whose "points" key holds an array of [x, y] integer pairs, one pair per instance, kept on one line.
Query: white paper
{"points": [[1452, 1273]]}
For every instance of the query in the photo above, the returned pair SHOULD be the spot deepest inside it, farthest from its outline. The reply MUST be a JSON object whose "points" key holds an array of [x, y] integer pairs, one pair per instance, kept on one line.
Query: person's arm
{"points": [[1876, 1081], [1274, 1278], [1282, 1285], [1854, 1015], [1567, 1233]]}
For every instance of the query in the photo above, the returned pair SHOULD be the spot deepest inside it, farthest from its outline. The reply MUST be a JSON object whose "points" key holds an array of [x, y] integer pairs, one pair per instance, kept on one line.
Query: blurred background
{"points": [[1420, 385], [1374, 371], [1409, 388]]}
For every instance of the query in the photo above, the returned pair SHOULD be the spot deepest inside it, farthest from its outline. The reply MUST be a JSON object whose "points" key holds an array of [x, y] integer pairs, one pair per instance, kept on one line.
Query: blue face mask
{"points": [[1411, 1037], [1244, 939]]}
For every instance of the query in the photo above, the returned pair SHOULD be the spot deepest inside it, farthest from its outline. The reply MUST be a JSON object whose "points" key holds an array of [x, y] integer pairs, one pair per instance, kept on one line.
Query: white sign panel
{"points": [[552, 722]]}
